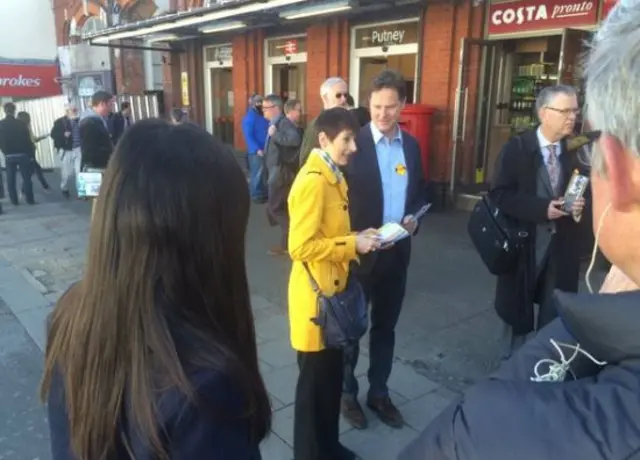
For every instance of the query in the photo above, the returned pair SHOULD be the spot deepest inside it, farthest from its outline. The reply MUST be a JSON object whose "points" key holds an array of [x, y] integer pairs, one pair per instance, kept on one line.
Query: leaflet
{"points": [[391, 233]]}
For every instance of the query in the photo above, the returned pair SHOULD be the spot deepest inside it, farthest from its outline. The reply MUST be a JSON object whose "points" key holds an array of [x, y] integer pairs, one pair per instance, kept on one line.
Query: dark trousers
{"points": [[277, 209], [1, 184], [317, 406], [547, 312], [384, 288], [19, 162], [37, 170]]}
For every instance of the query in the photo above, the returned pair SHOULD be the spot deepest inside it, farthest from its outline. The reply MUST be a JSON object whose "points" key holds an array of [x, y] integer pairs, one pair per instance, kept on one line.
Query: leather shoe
{"points": [[386, 411], [352, 412]]}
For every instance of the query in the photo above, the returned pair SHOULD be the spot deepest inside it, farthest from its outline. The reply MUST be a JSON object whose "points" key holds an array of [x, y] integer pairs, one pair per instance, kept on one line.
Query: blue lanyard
{"points": [[327, 159]]}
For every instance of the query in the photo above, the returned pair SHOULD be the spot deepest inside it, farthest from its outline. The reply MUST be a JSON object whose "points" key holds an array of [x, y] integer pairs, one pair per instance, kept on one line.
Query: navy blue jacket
{"points": [[595, 416], [203, 429]]}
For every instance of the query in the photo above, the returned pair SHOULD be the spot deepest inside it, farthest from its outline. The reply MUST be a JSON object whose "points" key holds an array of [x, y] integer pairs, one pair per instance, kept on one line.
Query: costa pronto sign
{"points": [[28, 81], [527, 15]]}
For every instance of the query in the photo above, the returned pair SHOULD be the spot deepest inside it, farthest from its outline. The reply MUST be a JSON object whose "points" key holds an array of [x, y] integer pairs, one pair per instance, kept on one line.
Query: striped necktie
{"points": [[553, 168]]}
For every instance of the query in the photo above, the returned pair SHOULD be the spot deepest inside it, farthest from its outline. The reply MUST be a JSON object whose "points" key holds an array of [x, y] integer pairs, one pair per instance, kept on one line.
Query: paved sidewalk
{"points": [[447, 336]]}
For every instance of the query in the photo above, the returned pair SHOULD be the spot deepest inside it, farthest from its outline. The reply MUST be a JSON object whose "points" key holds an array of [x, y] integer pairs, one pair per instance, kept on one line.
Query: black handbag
{"points": [[496, 237], [343, 317]]}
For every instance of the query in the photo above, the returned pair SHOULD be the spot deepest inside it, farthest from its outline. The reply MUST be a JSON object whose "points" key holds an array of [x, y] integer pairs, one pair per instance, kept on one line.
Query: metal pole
{"points": [[112, 58]]}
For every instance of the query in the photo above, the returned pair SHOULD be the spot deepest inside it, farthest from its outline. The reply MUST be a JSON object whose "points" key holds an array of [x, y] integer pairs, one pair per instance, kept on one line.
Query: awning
{"points": [[229, 15], [29, 80], [224, 16]]}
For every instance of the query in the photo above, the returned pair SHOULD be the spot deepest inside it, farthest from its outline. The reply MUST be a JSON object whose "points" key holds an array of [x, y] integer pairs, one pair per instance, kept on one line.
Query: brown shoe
{"points": [[353, 413], [386, 411]]}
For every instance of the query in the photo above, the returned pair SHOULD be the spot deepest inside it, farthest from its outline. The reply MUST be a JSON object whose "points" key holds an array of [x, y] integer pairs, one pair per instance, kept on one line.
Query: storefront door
{"points": [[471, 158], [219, 101], [286, 68], [376, 47], [572, 51]]}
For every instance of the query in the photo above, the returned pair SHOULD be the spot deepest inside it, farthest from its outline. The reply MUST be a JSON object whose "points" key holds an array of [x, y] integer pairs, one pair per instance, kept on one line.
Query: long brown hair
{"points": [[166, 262]]}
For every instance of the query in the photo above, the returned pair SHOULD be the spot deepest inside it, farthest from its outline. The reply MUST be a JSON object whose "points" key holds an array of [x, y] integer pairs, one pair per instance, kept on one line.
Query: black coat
{"points": [[60, 141], [15, 137], [594, 417], [118, 123], [366, 201], [95, 143], [514, 192]]}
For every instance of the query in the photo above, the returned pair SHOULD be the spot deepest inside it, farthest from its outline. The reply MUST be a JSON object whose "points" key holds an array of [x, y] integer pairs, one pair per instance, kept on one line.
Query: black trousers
{"points": [[317, 406]]}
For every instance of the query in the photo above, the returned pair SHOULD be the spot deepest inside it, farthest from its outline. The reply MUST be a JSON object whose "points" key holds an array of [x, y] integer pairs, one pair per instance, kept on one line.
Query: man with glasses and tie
{"points": [[334, 93], [532, 174]]}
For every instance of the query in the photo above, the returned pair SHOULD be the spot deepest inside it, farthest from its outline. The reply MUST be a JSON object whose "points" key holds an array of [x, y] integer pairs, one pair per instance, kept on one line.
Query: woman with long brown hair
{"points": [[153, 353]]}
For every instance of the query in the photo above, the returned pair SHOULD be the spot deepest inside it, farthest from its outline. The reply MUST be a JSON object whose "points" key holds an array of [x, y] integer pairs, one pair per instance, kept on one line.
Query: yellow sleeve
{"points": [[306, 243]]}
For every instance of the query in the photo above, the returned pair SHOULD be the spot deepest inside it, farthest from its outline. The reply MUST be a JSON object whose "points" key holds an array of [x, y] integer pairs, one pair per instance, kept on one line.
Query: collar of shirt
{"points": [[545, 143], [378, 136], [327, 159]]}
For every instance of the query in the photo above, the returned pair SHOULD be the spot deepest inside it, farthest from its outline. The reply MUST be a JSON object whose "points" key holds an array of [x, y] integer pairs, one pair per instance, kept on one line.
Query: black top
{"points": [[15, 137], [95, 143]]}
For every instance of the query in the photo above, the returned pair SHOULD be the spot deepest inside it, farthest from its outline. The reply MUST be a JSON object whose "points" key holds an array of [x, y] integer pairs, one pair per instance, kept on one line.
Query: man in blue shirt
{"points": [[254, 129]]}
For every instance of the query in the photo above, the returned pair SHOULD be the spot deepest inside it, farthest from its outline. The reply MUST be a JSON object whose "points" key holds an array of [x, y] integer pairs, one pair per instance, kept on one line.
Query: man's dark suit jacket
{"points": [[514, 191], [95, 143], [366, 201], [118, 123]]}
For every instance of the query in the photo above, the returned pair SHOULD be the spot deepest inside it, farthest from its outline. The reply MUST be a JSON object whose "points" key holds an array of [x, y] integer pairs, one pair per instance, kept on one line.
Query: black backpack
{"points": [[496, 237]]}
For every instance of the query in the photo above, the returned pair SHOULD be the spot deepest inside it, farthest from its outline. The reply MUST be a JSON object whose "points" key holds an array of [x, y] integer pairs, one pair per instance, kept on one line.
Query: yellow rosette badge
{"points": [[401, 169]]}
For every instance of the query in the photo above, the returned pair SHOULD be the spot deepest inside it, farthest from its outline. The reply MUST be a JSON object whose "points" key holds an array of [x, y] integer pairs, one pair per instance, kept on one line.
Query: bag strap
{"points": [[314, 284]]}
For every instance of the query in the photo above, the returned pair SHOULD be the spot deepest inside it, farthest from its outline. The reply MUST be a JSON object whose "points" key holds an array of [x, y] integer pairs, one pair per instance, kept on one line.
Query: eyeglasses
{"points": [[565, 112], [342, 95], [266, 107]]}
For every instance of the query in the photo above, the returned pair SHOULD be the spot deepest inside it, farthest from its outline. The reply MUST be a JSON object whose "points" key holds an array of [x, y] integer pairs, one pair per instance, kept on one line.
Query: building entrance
{"points": [[219, 97]]}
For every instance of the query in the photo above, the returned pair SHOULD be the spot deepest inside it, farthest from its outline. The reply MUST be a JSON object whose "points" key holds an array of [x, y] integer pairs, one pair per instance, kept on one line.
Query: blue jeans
{"points": [[257, 182], [384, 288]]}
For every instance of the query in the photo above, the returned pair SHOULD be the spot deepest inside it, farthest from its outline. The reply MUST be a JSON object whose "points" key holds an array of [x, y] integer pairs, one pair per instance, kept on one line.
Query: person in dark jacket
{"points": [[35, 166], [532, 174], [95, 140], [18, 149], [120, 121], [153, 353], [66, 140], [572, 391], [281, 158]]}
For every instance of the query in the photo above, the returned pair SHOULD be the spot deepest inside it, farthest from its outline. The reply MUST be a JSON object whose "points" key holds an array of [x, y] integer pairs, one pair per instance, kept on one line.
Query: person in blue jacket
{"points": [[254, 128], [573, 391]]}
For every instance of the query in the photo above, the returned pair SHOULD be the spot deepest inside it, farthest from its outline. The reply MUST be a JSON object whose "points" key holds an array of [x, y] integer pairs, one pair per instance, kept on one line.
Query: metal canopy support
{"points": [[141, 48]]}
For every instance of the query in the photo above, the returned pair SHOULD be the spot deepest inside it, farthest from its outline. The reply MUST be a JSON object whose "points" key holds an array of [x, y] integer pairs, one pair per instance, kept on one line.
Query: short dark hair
{"points": [[9, 108], [350, 101], [334, 121], [290, 105], [99, 97], [125, 105], [390, 79]]}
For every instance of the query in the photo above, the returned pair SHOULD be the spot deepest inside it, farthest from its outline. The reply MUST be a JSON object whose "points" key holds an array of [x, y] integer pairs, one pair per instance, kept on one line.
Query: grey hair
{"points": [[548, 94], [613, 79], [330, 83], [274, 99], [290, 105]]}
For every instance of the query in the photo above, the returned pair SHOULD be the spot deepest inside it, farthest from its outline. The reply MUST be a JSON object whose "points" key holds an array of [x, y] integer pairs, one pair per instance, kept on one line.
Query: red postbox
{"points": [[416, 120]]}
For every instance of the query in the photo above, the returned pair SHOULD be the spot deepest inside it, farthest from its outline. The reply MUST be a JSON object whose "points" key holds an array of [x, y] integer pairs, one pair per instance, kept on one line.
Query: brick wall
{"points": [[248, 76], [445, 26]]}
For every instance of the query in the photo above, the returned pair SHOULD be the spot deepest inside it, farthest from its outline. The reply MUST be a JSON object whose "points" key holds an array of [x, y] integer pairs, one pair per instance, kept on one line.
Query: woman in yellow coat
{"points": [[320, 236]]}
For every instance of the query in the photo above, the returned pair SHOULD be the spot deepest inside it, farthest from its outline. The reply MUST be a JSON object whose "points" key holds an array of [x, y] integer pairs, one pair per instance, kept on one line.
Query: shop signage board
{"points": [[29, 81], [184, 83], [529, 15], [387, 35], [278, 47], [607, 6]]}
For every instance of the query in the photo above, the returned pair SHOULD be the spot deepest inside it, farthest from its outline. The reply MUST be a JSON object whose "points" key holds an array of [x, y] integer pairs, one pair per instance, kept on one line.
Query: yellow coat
{"points": [[319, 234]]}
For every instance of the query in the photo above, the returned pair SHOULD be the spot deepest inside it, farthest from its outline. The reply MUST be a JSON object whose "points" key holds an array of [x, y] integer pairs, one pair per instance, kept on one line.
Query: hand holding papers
{"points": [[392, 232]]}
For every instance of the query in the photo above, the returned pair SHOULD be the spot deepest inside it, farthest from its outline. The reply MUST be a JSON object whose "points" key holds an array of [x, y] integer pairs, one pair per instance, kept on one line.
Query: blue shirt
{"points": [[393, 174]]}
